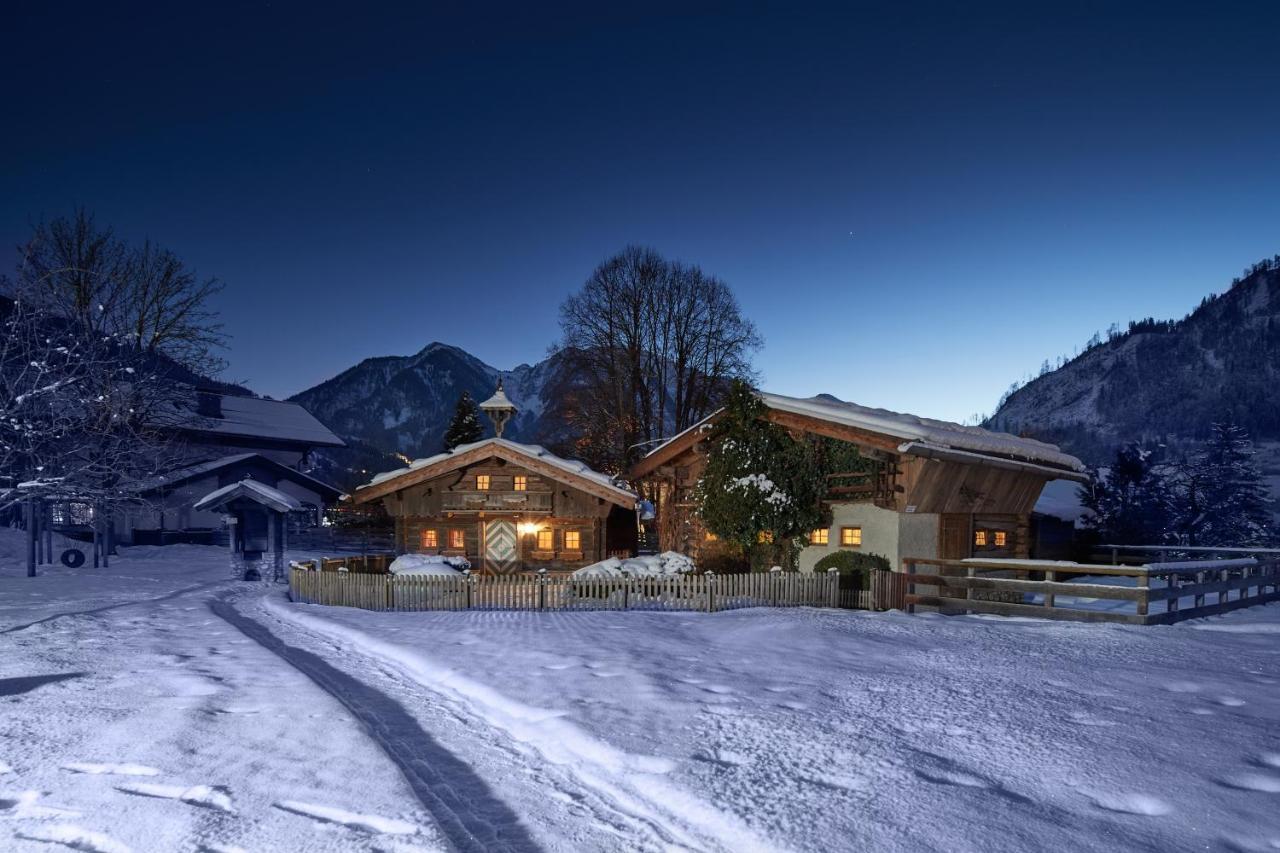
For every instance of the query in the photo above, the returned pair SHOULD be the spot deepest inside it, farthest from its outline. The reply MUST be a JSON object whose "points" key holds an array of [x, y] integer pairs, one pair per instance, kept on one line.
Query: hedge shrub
{"points": [[854, 567]]}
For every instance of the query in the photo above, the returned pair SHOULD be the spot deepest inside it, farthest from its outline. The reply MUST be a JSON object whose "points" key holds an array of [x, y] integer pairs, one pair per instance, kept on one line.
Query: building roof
{"points": [[903, 433], [535, 457], [254, 417], [252, 490], [178, 476]]}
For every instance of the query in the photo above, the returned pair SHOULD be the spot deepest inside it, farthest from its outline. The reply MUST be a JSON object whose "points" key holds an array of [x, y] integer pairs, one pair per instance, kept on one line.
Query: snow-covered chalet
{"points": [[936, 489]]}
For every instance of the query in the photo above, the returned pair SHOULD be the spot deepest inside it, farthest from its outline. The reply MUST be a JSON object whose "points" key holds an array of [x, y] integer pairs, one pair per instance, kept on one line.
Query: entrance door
{"points": [[501, 547]]}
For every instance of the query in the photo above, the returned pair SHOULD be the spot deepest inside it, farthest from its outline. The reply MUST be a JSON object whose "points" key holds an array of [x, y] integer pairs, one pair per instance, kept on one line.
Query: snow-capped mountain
{"points": [[402, 404], [1165, 381]]}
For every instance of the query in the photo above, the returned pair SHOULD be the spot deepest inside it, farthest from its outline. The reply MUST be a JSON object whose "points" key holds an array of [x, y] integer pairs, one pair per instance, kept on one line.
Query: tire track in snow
{"points": [[655, 814], [468, 814], [168, 596]]}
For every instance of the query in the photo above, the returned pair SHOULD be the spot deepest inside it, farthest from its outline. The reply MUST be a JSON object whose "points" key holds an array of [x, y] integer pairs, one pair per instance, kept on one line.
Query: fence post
{"points": [[1172, 584], [542, 588], [391, 596], [469, 581], [711, 596], [833, 584], [911, 585], [1050, 576]]}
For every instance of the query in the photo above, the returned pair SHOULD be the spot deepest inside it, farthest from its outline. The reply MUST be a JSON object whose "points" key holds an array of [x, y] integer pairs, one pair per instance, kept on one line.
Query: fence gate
{"points": [[501, 547]]}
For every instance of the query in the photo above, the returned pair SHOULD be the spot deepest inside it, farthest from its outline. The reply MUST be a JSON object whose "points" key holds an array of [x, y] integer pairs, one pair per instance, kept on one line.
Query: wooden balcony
{"points": [[492, 501]]}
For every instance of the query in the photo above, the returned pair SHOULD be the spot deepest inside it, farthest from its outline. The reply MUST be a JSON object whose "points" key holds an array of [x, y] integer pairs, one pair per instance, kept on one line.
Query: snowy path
{"points": [[579, 792], [466, 811]]}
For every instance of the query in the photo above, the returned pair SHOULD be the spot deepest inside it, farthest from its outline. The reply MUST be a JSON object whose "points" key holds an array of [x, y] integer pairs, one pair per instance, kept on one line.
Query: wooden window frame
{"points": [[569, 537], [1000, 538], [550, 541], [457, 539], [520, 483], [820, 536], [483, 482], [429, 538], [851, 536], [980, 538]]}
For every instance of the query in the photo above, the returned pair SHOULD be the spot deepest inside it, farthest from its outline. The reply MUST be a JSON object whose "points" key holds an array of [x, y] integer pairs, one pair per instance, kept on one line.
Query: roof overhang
{"points": [[507, 452], [948, 454], [259, 493]]}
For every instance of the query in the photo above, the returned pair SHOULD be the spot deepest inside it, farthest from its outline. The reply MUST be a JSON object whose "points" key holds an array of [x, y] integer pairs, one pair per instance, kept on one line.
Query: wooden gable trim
{"points": [[365, 494]]}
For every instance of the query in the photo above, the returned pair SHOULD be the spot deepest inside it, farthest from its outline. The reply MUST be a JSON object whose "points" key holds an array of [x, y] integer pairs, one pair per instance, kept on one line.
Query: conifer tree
{"points": [[1221, 498], [465, 427], [1129, 504]]}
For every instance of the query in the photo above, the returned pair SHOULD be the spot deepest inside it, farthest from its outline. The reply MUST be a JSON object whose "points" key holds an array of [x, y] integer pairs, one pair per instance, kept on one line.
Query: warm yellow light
{"points": [[527, 527]]}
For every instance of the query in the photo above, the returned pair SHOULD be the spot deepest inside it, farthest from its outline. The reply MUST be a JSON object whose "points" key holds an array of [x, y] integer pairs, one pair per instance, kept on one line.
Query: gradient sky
{"points": [[916, 204]]}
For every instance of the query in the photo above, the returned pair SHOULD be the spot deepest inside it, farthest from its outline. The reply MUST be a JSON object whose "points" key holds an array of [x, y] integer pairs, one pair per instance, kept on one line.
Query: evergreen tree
{"points": [[1221, 497], [1130, 504], [465, 427], [763, 489]]}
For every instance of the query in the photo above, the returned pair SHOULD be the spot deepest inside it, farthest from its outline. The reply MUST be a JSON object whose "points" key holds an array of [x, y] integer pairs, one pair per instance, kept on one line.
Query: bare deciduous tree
{"points": [[653, 345], [144, 295]]}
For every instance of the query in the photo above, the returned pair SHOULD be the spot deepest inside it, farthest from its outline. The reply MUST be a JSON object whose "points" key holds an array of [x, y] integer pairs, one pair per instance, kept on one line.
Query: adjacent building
{"points": [[935, 489]]}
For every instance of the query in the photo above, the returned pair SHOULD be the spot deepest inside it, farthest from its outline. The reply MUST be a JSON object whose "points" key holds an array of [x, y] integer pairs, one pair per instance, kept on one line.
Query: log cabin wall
{"points": [[559, 527]]}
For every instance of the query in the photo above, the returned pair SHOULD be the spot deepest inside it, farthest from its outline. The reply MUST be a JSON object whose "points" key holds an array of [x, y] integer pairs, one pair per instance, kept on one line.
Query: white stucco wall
{"points": [[892, 535]]}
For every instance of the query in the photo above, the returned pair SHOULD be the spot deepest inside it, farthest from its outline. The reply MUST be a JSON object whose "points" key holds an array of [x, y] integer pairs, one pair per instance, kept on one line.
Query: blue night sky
{"points": [[916, 205]]}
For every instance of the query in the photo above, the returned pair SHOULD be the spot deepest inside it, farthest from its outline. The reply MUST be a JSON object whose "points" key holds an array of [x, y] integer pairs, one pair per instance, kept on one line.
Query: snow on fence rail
{"points": [[526, 592], [1093, 593]]}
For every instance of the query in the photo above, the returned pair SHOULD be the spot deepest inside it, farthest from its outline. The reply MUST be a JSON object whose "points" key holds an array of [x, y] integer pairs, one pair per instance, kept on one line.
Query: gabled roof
{"points": [[178, 476], [252, 490], [531, 456], [889, 431], [254, 417]]}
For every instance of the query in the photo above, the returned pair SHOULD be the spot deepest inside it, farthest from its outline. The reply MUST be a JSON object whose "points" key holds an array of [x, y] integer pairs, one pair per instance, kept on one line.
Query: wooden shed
{"points": [[507, 507], [937, 489]]}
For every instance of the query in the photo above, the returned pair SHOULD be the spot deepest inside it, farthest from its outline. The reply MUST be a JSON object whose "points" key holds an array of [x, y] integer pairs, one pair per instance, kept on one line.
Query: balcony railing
{"points": [[490, 501]]}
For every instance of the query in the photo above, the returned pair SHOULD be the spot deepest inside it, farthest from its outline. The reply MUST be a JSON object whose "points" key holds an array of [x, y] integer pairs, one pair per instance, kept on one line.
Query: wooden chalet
{"points": [[936, 489], [507, 507]]}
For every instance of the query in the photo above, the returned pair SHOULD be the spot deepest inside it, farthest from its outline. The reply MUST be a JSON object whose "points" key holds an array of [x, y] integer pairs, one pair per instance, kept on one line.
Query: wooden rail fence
{"points": [[706, 592], [1151, 594]]}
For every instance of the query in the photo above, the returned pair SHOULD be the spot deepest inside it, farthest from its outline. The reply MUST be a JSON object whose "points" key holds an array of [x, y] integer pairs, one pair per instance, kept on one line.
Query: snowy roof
{"points": [[254, 491], [917, 435], [925, 431], [464, 453], [499, 400], [254, 417], [200, 469]]}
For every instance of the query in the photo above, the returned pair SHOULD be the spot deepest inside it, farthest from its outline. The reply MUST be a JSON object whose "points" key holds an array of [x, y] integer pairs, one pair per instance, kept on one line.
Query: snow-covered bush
{"points": [[428, 564], [668, 563]]}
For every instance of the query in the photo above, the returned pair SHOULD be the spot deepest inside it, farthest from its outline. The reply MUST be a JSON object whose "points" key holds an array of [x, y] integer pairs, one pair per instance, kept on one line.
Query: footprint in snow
{"points": [[204, 796], [1265, 783], [1202, 712], [1082, 718], [718, 688], [1231, 701], [111, 769], [342, 817], [1270, 759], [75, 837], [941, 776], [23, 805], [1135, 804]]}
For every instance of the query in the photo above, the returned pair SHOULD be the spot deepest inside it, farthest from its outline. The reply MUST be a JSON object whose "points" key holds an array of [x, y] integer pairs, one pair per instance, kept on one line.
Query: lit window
{"points": [[572, 540], [711, 537], [1002, 538], [764, 537], [979, 537], [521, 483], [482, 482], [546, 540], [430, 539], [851, 536], [457, 540], [821, 536]]}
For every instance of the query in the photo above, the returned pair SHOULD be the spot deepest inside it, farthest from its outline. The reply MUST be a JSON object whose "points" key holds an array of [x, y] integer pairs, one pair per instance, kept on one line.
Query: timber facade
{"points": [[934, 490], [507, 508]]}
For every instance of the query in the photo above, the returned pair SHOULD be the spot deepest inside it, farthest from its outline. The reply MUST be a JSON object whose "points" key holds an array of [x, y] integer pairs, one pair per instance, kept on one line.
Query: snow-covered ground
{"points": [[159, 706]]}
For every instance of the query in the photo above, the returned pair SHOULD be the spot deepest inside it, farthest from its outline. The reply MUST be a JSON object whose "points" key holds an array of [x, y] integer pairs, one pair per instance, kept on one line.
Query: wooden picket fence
{"points": [[706, 592]]}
